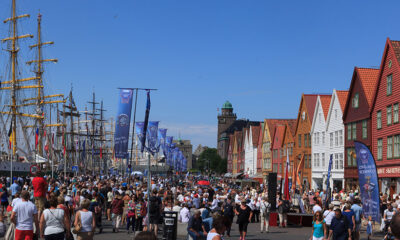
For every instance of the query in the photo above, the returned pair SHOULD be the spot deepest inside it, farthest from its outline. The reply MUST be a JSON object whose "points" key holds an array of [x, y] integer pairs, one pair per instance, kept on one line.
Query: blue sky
{"points": [[258, 54]]}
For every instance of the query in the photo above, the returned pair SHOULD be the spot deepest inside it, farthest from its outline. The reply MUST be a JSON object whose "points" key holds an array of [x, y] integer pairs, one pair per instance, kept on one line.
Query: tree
{"points": [[210, 160]]}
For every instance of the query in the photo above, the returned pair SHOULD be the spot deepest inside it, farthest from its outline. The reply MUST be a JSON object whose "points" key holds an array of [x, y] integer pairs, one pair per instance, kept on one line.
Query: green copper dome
{"points": [[227, 105]]}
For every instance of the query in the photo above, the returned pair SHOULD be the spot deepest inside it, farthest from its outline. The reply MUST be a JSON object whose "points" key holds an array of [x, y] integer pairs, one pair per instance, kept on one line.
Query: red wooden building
{"points": [[385, 119], [277, 150], [356, 119]]}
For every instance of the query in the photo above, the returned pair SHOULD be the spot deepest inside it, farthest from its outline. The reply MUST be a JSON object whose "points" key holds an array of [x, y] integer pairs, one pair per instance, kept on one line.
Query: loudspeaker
{"points": [[272, 188]]}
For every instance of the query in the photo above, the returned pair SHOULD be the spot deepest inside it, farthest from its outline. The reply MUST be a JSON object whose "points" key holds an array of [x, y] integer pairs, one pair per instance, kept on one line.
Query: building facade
{"points": [[225, 119], [302, 148], [187, 149], [318, 143], [335, 138], [385, 120], [277, 150], [357, 119]]}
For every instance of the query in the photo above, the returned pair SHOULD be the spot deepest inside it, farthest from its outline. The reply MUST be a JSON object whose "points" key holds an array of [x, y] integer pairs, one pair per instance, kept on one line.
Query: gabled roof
{"points": [[255, 130], [369, 79], [310, 100], [342, 97], [325, 102], [271, 123], [278, 136], [395, 46], [239, 125]]}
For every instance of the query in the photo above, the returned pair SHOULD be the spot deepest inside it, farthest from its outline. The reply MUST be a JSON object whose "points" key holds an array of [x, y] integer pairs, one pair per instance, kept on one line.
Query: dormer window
{"points": [[354, 101]]}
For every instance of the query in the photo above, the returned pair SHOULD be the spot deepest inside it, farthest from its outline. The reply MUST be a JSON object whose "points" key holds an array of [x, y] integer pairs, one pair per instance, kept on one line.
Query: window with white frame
{"points": [[396, 146], [389, 147], [340, 137], [336, 138], [331, 139], [336, 161], [323, 159], [341, 160], [323, 138], [379, 149]]}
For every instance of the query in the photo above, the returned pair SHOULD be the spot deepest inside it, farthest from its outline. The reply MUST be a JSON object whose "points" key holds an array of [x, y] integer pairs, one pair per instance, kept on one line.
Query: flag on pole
{"points": [[286, 188], [10, 136], [36, 137], [298, 172], [63, 142], [146, 120]]}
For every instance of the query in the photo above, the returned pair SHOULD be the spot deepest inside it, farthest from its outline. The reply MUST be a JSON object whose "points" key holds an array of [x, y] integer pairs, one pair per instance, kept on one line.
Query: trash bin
{"points": [[170, 225]]}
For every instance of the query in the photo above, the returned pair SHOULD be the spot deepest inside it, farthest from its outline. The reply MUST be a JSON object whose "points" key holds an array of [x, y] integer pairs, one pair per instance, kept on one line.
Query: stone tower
{"points": [[225, 119]]}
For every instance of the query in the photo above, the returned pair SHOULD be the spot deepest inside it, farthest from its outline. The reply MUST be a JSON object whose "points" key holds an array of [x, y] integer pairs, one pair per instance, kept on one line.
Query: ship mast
{"points": [[14, 83], [40, 98]]}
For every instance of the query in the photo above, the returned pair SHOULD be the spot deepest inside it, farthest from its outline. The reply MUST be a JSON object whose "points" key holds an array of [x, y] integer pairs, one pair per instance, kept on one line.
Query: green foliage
{"points": [[211, 161]]}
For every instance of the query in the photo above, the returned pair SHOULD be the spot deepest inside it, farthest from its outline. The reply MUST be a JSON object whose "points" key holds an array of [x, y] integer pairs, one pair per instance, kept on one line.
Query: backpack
{"points": [[285, 206]]}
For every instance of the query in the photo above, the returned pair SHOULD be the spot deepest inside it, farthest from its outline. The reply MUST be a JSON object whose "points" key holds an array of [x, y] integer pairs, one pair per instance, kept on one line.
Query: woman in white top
{"points": [[53, 222], [87, 220], [219, 227]]}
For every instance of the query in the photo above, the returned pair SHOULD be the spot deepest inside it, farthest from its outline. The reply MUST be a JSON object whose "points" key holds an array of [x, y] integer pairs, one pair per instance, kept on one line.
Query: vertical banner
{"points": [[152, 132], [162, 134], [146, 121], [168, 147], [368, 180], [139, 132], [328, 183], [122, 124], [286, 187]]}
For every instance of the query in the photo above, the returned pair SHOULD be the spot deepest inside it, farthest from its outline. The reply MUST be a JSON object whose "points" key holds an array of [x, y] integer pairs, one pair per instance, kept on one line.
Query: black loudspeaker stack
{"points": [[272, 188]]}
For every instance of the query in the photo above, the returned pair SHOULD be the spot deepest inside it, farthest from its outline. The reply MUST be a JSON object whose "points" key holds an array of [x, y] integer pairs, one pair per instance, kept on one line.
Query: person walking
{"points": [[39, 192], [283, 209], [140, 213], [4, 199], [86, 220], [358, 216], [219, 226], [340, 228], [229, 213], [155, 211], [265, 208], [54, 222], [117, 207], [329, 214], [349, 214], [130, 216], [319, 227], [23, 215], [244, 215]]}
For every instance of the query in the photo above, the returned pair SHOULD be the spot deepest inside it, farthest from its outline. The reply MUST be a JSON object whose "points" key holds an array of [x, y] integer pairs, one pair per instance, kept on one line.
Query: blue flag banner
{"points": [[162, 134], [168, 147], [121, 137], [329, 172], [139, 132], [368, 180], [152, 132], [146, 121]]}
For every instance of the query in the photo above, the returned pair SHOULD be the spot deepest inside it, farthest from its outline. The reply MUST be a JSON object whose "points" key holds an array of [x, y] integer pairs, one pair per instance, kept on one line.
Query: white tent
{"points": [[40, 159]]}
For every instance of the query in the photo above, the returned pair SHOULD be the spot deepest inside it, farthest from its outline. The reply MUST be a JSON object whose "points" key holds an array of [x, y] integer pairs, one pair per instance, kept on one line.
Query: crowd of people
{"points": [[75, 207]]}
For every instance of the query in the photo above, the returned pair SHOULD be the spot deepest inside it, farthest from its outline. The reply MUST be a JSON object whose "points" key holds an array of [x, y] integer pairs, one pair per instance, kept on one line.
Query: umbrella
{"points": [[203, 182]]}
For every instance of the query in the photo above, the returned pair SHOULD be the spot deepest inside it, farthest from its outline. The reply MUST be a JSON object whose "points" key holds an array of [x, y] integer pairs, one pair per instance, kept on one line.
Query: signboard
{"points": [[34, 169], [389, 171], [75, 168]]}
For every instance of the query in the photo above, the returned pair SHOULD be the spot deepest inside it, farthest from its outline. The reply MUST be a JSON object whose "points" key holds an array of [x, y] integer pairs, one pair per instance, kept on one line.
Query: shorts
{"points": [[358, 227], [315, 238], [40, 202], [108, 205], [23, 234], [4, 204], [243, 227]]}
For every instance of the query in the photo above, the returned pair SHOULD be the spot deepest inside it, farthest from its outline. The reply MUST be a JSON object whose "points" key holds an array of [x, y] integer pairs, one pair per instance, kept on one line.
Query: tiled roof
{"points": [[325, 102], [396, 48], [369, 79], [278, 136], [291, 123], [271, 123], [255, 130], [310, 101], [342, 97]]}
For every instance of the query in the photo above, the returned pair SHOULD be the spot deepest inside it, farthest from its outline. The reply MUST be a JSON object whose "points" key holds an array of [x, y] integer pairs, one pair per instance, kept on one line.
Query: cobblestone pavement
{"points": [[290, 233]]}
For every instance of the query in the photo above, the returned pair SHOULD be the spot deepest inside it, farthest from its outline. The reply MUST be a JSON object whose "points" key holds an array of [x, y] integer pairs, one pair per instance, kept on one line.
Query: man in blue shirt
{"points": [[340, 227], [14, 188], [195, 226], [358, 215]]}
